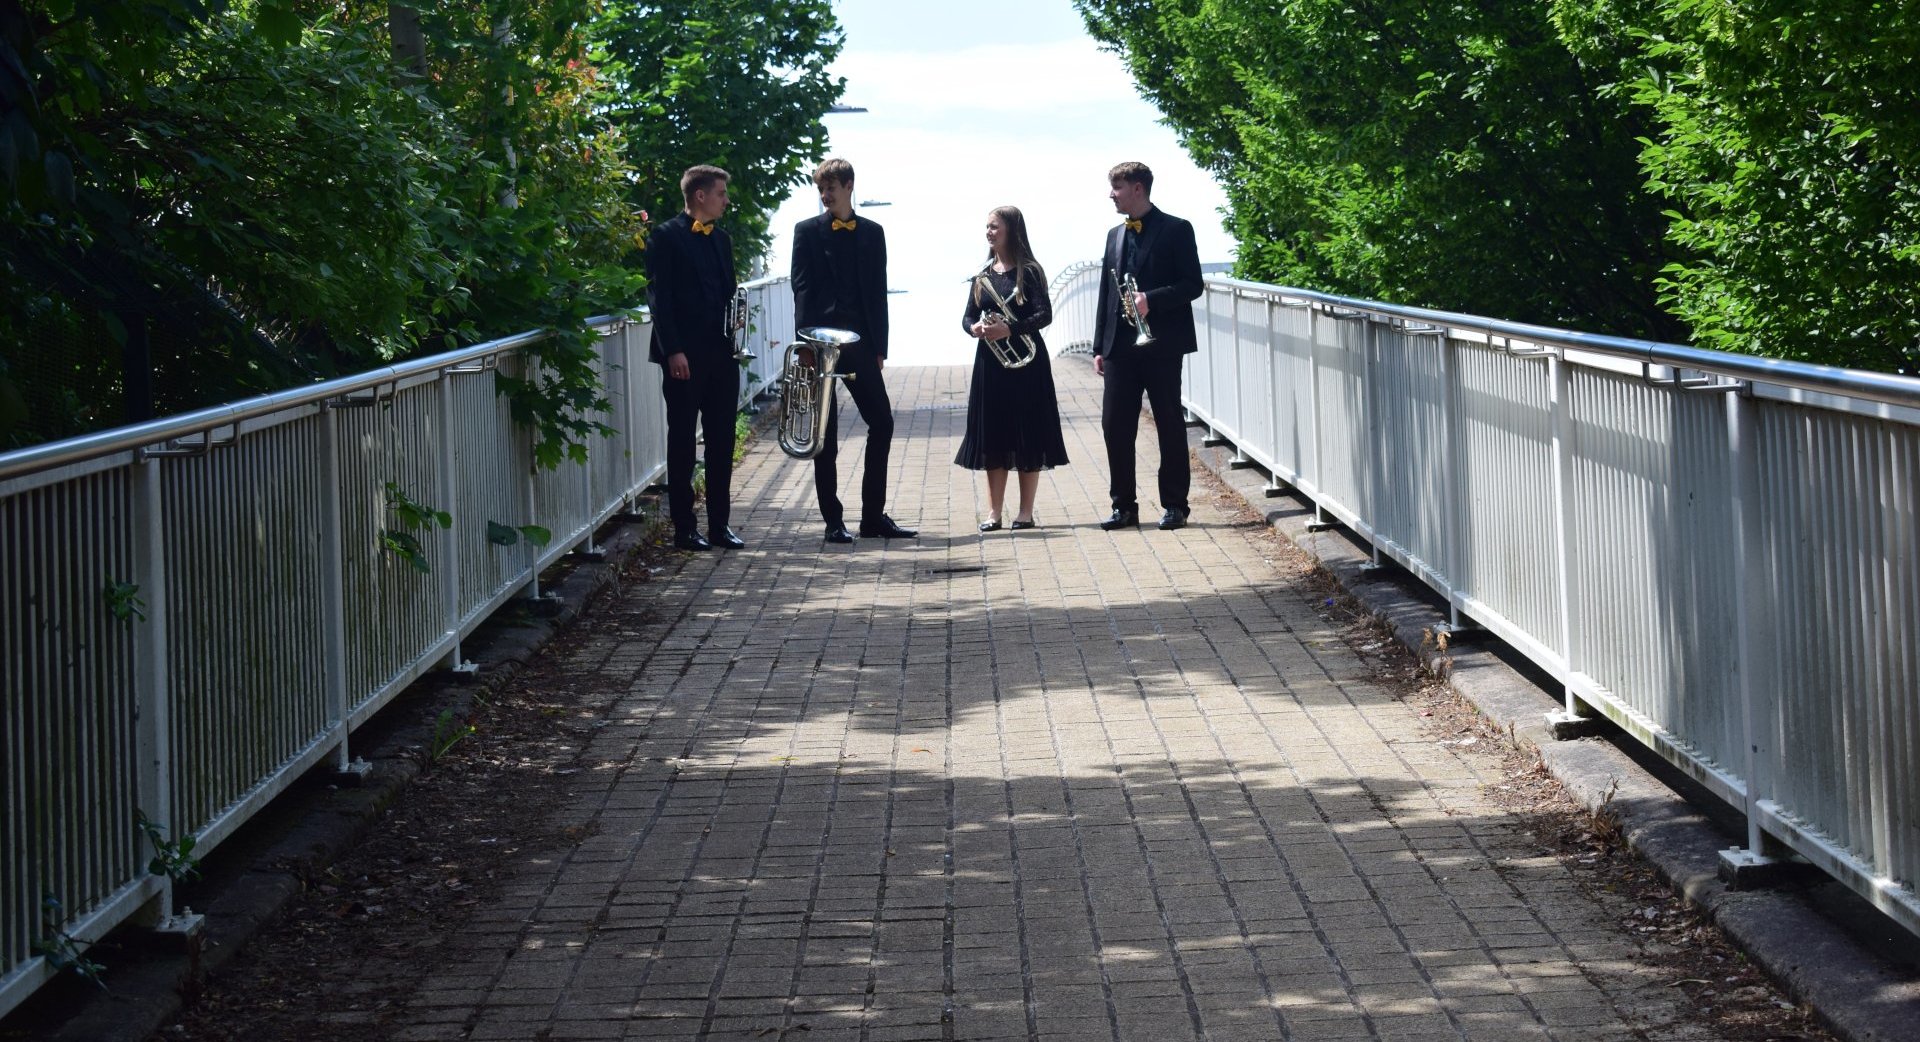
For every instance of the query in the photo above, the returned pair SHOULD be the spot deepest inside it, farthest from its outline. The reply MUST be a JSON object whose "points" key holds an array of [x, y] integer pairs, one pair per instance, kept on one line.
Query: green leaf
{"points": [[277, 24], [501, 535], [536, 535]]}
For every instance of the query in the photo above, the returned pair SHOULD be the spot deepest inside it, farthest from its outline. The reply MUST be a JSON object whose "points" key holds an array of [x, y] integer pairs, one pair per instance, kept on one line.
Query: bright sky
{"points": [[981, 104]]}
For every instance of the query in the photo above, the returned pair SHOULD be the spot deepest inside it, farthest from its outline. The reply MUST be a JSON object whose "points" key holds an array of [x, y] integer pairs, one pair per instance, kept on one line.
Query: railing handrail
{"points": [[84, 447], [1888, 388]]}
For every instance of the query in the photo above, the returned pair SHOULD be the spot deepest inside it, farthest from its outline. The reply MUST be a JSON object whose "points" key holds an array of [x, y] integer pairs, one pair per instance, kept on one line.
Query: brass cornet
{"points": [[1127, 288], [806, 388], [1005, 351], [736, 323]]}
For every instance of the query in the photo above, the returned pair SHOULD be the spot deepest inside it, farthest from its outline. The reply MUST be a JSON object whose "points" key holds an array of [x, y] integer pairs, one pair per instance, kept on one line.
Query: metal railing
{"points": [[1719, 552], [197, 610]]}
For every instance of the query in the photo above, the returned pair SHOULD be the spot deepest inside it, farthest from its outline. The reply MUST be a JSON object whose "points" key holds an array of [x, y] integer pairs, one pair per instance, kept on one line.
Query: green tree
{"points": [[1454, 155], [1786, 147], [741, 84]]}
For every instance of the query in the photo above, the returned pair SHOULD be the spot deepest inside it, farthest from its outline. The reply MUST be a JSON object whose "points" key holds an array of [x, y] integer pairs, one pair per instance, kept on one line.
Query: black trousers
{"points": [[1131, 373], [869, 393], [710, 396]]}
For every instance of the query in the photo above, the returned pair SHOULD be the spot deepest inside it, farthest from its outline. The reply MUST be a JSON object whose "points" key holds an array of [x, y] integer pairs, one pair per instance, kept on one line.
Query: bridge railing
{"points": [[1719, 552], [194, 611]]}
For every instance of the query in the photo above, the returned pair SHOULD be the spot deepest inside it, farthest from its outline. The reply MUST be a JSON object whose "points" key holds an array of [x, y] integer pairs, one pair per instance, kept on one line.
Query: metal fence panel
{"points": [[195, 610], [66, 756], [1721, 552]]}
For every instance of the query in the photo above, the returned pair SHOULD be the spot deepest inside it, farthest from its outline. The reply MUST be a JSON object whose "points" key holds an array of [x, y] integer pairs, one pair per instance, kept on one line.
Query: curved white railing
{"points": [[196, 610], [1719, 552]]}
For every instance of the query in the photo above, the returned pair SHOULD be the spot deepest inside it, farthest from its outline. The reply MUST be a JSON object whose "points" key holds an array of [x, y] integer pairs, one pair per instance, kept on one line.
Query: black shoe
{"points": [[1128, 518], [884, 528], [727, 539], [989, 526], [692, 541], [1173, 518], [839, 534], [1020, 526]]}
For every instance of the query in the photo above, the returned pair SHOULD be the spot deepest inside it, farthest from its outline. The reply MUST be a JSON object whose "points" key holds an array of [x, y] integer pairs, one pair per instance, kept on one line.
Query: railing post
{"points": [[1275, 485], [1751, 864], [1313, 421], [333, 595], [1458, 538], [1569, 722], [1376, 454], [447, 495], [152, 698]]}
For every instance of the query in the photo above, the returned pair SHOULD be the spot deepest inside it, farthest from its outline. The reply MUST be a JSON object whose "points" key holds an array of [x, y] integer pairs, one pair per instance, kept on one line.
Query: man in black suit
{"points": [[840, 280], [690, 285], [1158, 250]]}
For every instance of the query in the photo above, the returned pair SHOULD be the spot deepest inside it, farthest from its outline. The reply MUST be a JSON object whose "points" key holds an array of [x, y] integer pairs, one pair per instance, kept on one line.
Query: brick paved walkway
{"points": [[1055, 784]]}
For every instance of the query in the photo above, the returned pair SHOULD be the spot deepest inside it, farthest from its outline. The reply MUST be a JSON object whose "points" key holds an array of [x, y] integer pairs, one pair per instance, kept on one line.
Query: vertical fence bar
{"points": [[447, 488], [1742, 432], [333, 614], [1376, 458], [151, 695], [1560, 379]]}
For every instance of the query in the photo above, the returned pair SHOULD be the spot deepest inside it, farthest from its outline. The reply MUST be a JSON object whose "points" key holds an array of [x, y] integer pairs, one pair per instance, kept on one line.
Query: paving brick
{"points": [[1105, 783]]}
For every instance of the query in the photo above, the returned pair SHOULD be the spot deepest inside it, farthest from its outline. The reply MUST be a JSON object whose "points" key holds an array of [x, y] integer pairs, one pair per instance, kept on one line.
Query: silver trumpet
{"points": [[1128, 287], [736, 324], [806, 390], [1005, 351]]}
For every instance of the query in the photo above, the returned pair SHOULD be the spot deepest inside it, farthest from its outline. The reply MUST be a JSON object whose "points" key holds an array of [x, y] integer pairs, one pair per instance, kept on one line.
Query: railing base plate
{"points": [[1563, 725], [1742, 869], [353, 775]]}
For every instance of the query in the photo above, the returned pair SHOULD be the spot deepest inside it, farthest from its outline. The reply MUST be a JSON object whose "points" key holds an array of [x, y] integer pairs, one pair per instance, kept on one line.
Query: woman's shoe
{"points": [[1018, 525], [991, 526]]}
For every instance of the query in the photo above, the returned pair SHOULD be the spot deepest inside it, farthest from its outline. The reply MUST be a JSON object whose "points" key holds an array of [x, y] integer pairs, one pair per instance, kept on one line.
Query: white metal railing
{"points": [[196, 610], [1719, 552]]}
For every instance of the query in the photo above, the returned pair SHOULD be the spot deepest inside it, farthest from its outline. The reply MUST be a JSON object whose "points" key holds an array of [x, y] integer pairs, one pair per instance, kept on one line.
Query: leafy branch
{"points": [[173, 859], [411, 515]]}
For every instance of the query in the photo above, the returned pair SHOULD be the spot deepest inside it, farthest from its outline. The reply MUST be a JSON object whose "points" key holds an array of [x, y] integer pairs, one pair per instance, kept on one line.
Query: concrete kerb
{"points": [[1860, 995], [145, 986]]}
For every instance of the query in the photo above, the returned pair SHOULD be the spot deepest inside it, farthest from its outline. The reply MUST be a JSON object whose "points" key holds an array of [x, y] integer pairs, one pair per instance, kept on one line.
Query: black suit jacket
{"points": [[689, 310], [815, 247], [1166, 265]]}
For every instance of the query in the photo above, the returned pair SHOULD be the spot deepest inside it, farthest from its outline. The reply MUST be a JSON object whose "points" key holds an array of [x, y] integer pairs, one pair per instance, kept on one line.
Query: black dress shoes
{"points": [[691, 541], [726, 538], [1128, 518], [989, 526], [1173, 518], [1021, 526], [839, 534], [884, 528]]}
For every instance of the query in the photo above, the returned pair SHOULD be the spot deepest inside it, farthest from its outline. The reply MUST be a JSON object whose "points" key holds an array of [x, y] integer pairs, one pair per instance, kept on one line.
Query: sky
{"points": [[981, 104]]}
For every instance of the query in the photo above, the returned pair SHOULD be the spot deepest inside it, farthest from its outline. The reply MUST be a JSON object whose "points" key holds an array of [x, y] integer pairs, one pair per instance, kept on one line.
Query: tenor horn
{"points": [[806, 388]]}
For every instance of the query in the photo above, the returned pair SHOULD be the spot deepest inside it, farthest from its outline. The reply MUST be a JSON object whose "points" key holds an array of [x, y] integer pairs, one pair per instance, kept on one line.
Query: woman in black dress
{"points": [[1013, 419]]}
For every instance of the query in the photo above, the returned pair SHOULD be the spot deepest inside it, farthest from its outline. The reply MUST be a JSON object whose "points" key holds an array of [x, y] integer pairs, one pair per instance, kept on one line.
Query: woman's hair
{"points": [[1016, 225]]}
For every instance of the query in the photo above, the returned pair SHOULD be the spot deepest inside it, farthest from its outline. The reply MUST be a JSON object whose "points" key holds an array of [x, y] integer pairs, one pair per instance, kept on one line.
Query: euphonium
{"points": [[806, 390], [1127, 288], [1009, 354], [736, 322]]}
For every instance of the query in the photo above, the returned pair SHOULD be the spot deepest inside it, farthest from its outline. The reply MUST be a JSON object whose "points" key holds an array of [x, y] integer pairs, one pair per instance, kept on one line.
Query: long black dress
{"points": [[1013, 415]]}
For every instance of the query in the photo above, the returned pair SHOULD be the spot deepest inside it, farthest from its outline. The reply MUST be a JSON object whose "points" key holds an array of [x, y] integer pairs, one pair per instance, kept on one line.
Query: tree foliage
{"points": [[741, 84], [1786, 149], [1737, 173], [1447, 154], [264, 188]]}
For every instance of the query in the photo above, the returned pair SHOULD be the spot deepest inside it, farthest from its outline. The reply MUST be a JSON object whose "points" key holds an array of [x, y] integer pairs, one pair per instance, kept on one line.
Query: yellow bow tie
{"points": [[843, 226], [1133, 225], [702, 228]]}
